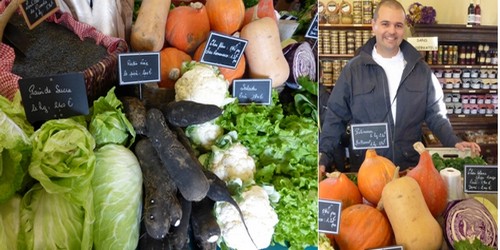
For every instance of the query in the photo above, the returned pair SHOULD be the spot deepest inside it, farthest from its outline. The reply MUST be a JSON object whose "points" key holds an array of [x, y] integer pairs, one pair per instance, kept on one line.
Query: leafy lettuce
{"points": [[15, 148], [9, 222], [63, 161], [284, 147], [117, 186], [50, 221], [108, 123]]}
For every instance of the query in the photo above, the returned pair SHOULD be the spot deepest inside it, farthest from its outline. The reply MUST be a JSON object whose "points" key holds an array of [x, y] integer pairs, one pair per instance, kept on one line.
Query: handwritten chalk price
{"points": [[480, 179], [369, 135], [54, 97], [137, 68], [222, 50], [329, 216]]}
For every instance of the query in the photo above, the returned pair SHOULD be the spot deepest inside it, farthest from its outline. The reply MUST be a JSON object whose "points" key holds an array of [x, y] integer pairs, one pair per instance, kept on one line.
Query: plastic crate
{"points": [[450, 152]]}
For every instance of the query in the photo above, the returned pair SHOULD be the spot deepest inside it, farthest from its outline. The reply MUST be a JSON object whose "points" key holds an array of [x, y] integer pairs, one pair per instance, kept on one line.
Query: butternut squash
{"points": [[148, 31], [263, 53], [413, 224]]}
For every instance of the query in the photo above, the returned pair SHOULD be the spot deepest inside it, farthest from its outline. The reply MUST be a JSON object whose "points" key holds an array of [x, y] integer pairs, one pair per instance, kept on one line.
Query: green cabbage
{"points": [[63, 161], [9, 222], [117, 186], [15, 152], [108, 123], [50, 221]]}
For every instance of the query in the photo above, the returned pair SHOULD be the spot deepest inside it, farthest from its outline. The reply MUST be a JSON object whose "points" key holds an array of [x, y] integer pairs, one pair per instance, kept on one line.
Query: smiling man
{"points": [[387, 82]]}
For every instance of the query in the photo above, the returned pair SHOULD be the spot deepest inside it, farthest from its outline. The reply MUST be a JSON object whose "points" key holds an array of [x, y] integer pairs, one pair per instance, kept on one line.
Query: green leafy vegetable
{"points": [[476, 244], [284, 147], [117, 185], [250, 3], [63, 161], [15, 151], [108, 123], [50, 221], [9, 222], [456, 163]]}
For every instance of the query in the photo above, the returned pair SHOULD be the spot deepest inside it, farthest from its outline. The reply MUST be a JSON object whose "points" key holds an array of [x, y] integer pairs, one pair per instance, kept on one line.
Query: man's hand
{"points": [[321, 172], [474, 147]]}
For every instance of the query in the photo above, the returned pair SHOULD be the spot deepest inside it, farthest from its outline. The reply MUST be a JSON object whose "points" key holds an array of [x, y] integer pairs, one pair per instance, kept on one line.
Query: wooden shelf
{"points": [[458, 33], [470, 91], [446, 66], [349, 56], [345, 26]]}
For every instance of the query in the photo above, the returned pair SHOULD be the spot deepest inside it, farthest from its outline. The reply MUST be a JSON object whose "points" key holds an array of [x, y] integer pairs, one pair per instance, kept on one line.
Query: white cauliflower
{"points": [[233, 163], [204, 135], [202, 83], [259, 216]]}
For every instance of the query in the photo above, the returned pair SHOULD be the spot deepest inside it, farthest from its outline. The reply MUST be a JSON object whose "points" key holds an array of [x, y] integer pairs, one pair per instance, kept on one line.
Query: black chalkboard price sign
{"points": [[252, 91], [136, 68], [312, 31], [480, 179], [329, 216], [35, 11], [222, 50], [54, 97], [369, 135]]}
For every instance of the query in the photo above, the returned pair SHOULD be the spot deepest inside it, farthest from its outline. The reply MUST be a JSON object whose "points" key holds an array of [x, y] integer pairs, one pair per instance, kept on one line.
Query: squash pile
{"points": [[180, 34], [394, 209]]}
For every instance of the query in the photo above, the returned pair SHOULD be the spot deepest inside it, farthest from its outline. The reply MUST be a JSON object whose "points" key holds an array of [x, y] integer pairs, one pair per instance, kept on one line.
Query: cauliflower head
{"points": [[202, 83], [204, 135], [233, 163], [259, 216]]}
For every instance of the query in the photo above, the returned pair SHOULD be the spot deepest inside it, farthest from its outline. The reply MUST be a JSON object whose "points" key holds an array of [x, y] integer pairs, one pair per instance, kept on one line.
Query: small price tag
{"points": [[480, 179], [329, 216], [369, 135], [222, 50], [252, 91], [36, 11], [312, 31], [54, 97], [136, 68]]}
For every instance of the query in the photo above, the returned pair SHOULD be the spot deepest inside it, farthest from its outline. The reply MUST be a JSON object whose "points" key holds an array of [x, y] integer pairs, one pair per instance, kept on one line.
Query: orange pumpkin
{"points": [[226, 16], [171, 62], [337, 186], [265, 8], [228, 73], [430, 181], [373, 174], [362, 227], [187, 27]]}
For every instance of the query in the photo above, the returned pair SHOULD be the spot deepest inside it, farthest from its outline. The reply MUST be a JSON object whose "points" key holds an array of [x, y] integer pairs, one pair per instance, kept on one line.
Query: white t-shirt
{"points": [[393, 68]]}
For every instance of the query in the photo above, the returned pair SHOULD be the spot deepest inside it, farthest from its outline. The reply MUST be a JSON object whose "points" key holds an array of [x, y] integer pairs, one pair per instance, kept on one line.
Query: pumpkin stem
{"points": [[255, 15], [174, 74], [380, 205], [419, 147], [334, 175], [396, 173], [196, 5]]}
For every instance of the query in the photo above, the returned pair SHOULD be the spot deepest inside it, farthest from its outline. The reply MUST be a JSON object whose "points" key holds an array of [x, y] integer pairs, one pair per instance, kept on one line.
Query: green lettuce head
{"points": [[50, 221], [108, 123], [63, 161], [15, 148]]}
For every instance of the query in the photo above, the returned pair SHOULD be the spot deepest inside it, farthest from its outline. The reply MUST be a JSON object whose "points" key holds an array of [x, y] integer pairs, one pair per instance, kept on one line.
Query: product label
{"points": [[224, 51], [369, 136], [136, 68], [480, 179], [252, 91], [54, 97], [35, 11], [329, 216]]}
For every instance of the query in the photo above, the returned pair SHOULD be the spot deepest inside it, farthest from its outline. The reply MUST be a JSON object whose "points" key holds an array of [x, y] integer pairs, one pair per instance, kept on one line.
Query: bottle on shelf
{"points": [[471, 16], [477, 14]]}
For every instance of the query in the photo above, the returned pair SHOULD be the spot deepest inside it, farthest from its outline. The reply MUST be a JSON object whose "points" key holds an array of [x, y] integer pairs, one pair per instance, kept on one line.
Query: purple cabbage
{"points": [[468, 219], [302, 61]]}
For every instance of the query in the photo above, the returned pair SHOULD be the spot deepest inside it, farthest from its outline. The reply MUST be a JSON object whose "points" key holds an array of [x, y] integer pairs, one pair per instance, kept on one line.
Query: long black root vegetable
{"points": [[302, 61], [179, 235], [161, 206], [204, 223], [186, 172], [184, 113], [135, 111]]}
